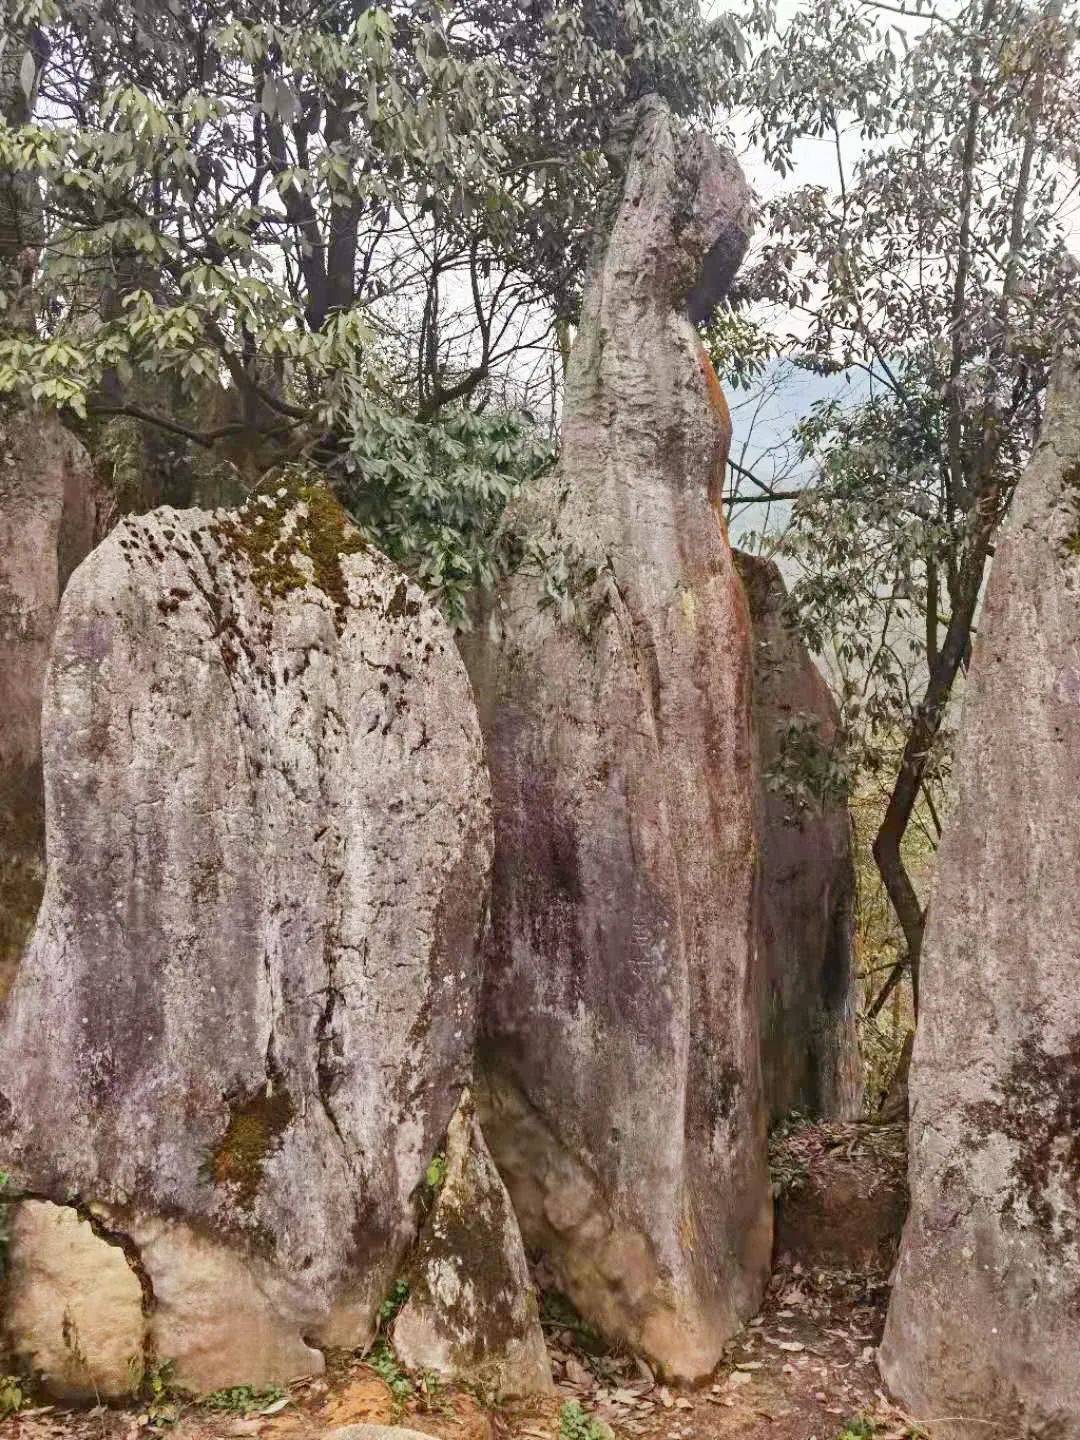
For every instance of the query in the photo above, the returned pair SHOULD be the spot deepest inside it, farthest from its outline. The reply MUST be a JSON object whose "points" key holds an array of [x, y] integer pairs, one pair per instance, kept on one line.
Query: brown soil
{"points": [[842, 1195]]}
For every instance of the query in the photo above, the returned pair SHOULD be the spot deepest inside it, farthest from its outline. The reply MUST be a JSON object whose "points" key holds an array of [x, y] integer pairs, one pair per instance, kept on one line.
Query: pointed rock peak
{"points": [[683, 208], [472, 1313], [619, 737]]}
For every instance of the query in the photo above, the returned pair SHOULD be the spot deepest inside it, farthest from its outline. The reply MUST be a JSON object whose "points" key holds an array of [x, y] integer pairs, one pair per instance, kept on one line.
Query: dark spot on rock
{"points": [[400, 604], [1037, 1108]]}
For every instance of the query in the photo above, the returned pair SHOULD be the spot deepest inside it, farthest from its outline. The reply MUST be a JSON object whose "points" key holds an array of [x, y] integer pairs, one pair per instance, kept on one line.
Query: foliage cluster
{"points": [[12, 1396], [387, 1366], [350, 235], [575, 1423], [243, 1399], [935, 276]]}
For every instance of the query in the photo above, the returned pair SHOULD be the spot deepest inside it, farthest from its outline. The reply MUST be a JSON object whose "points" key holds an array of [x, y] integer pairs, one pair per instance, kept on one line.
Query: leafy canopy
{"points": [[364, 225]]}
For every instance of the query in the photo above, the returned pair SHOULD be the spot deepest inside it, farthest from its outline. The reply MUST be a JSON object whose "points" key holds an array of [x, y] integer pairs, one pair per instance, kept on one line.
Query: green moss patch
{"points": [[254, 1129], [291, 522]]}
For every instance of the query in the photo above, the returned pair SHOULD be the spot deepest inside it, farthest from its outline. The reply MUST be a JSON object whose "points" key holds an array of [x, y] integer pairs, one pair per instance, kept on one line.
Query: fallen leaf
{"points": [[645, 1372]]}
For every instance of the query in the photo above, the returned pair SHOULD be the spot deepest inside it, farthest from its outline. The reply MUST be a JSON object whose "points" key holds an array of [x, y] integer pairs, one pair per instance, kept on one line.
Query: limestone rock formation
{"points": [[246, 1013], [810, 1049], [471, 1313], [48, 522], [983, 1326], [622, 1094]]}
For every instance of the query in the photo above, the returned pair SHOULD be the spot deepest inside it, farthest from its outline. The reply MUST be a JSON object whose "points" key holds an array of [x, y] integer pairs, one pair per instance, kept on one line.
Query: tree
{"points": [[356, 227], [937, 271]]}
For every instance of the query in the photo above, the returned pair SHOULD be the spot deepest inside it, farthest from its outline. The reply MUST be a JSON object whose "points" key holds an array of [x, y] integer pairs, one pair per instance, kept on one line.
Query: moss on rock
{"points": [[255, 1126], [293, 534]]}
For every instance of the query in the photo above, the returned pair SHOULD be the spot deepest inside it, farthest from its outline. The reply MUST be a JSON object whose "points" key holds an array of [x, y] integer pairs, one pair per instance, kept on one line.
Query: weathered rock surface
{"points": [[472, 1314], [246, 1013], [810, 1048], [75, 1303], [48, 522], [622, 1100], [984, 1323]]}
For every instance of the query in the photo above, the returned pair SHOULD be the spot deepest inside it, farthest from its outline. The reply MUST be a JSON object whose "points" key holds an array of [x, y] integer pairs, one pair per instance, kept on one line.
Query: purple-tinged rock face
{"points": [[620, 1041], [247, 1011]]}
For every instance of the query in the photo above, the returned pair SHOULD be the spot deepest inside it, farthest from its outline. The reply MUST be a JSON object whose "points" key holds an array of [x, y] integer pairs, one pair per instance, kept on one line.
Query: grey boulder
{"points": [[246, 1013]]}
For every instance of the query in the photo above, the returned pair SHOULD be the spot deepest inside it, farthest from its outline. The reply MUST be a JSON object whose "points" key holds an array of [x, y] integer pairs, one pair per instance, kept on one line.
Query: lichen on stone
{"points": [[291, 535], [1037, 1107]]}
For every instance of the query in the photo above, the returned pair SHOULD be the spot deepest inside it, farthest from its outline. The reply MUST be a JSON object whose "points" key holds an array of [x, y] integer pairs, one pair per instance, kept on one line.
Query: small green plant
{"points": [[385, 1364], [861, 1428], [12, 1396], [431, 1393], [435, 1173], [159, 1387], [575, 1423], [432, 1183], [243, 1399], [389, 1308]]}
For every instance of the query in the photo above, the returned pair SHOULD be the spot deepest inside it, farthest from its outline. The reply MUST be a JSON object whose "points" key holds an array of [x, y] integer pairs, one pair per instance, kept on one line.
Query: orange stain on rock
{"points": [[720, 409]]}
